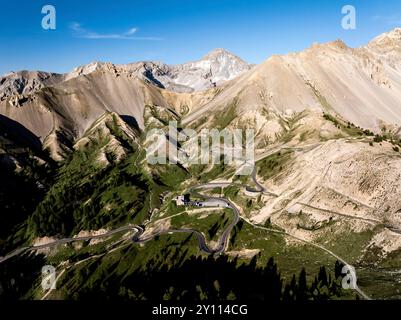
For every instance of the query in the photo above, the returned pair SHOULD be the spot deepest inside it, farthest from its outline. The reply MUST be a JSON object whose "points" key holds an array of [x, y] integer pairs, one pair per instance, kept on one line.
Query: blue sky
{"points": [[176, 31]]}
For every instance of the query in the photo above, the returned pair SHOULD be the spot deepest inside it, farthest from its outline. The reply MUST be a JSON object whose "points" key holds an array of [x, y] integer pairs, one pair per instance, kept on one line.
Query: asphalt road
{"points": [[67, 240], [214, 202]]}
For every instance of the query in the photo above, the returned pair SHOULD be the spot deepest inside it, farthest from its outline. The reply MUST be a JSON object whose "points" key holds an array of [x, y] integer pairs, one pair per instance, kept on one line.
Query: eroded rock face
{"points": [[387, 42], [26, 82], [212, 70], [363, 85]]}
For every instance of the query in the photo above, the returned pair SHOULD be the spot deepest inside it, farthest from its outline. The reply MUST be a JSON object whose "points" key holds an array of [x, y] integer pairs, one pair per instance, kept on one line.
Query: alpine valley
{"points": [[77, 193]]}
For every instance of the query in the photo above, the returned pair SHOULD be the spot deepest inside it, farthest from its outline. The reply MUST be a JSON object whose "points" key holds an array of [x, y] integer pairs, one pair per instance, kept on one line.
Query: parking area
{"points": [[213, 203]]}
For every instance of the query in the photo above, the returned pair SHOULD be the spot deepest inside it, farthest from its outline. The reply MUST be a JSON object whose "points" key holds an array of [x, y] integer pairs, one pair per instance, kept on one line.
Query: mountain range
{"points": [[361, 85], [327, 124]]}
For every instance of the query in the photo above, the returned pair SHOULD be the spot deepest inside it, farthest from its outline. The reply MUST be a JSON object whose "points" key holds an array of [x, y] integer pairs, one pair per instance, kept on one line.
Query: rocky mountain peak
{"points": [[210, 71], [218, 53], [213, 69], [387, 41]]}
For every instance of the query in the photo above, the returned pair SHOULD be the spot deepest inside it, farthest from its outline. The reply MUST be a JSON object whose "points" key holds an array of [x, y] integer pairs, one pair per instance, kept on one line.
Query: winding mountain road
{"points": [[222, 243], [67, 240], [262, 189]]}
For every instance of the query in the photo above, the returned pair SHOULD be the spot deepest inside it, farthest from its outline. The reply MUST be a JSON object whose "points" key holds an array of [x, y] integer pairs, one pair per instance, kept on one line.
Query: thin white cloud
{"points": [[88, 34], [131, 31], [76, 27], [394, 19]]}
